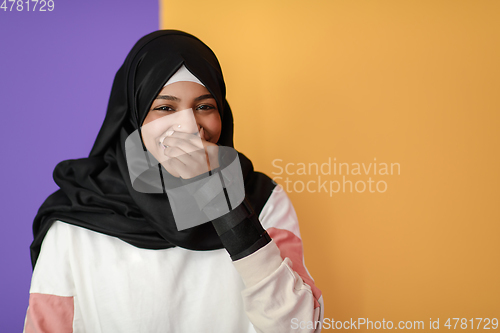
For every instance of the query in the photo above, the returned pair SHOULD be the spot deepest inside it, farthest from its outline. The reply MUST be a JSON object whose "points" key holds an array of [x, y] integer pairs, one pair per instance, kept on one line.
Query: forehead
{"points": [[184, 89]]}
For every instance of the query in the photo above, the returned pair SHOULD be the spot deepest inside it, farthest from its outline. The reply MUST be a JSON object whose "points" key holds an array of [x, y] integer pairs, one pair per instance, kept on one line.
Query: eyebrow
{"points": [[176, 99]]}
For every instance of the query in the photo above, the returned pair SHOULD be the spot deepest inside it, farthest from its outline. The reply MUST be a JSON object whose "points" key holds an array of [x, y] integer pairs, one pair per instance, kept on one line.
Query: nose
{"points": [[184, 121]]}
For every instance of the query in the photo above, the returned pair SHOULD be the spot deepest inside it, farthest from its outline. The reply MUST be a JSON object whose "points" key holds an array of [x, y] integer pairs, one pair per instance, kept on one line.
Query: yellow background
{"points": [[409, 82]]}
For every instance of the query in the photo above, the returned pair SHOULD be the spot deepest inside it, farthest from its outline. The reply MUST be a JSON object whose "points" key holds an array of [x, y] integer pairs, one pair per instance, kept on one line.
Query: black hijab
{"points": [[96, 193]]}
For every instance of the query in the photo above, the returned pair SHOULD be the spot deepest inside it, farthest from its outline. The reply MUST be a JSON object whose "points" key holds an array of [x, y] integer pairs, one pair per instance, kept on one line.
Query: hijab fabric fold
{"points": [[96, 193]]}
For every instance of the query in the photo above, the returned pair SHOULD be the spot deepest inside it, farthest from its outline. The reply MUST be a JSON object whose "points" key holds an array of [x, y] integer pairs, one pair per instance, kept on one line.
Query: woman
{"points": [[109, 252]]}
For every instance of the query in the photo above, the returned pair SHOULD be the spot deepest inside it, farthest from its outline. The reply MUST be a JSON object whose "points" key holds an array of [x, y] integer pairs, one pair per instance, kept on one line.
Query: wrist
{"points": [[240, 231]]}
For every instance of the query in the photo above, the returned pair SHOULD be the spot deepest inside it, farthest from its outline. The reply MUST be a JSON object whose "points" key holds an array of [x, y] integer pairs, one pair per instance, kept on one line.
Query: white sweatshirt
{"points": [[86, 281]]}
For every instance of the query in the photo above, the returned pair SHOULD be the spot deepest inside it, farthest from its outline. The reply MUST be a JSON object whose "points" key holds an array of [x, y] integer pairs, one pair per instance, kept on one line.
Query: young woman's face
{"points": [[186, 107]]}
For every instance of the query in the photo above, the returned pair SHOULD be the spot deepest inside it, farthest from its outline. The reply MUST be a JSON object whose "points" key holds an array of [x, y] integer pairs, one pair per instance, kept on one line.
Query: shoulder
{"points": [[51, 274], [63, 236]]}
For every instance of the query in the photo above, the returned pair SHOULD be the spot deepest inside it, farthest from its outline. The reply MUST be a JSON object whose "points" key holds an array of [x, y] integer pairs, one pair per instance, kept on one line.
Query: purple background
{"points": [[55, 78]]}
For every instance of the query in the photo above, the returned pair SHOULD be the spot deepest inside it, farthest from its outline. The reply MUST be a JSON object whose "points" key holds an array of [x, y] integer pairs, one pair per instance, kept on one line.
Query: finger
{"points": [[174, 167], [186, 145], [194, 138], [202, 134], [168, 133], [192, 158], [193, 161], [212, 152], [174, 151], [186, 169]]}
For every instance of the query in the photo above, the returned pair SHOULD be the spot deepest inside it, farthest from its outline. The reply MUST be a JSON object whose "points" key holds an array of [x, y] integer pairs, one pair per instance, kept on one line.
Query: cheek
{"points": [[152, 129], [158, 124], [214, 126]]}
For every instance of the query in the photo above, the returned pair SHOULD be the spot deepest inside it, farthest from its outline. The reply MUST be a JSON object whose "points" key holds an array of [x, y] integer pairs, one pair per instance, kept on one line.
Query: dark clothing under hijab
{"points": [[96, 193]]}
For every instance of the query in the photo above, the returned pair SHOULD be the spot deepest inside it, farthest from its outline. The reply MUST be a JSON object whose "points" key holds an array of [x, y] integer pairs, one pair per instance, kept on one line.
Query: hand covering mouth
{"points": [[169, 132], [201, 133]]}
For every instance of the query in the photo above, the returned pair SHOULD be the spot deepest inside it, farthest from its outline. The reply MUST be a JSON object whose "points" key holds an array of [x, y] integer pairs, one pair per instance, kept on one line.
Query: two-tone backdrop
{"points": [[380, 118]]}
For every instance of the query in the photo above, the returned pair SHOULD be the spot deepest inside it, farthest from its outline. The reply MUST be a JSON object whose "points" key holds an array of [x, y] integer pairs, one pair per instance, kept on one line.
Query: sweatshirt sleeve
{"points": [[51, 302], [279, 294]]}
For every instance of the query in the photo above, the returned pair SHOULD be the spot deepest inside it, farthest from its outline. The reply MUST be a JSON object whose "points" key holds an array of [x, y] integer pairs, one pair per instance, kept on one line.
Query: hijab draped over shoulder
{"points": [[96, 192]]}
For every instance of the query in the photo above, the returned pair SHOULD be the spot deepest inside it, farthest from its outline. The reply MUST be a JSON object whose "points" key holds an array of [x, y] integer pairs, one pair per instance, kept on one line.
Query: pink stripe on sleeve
{"points": [[49, 313], [291, 246]]}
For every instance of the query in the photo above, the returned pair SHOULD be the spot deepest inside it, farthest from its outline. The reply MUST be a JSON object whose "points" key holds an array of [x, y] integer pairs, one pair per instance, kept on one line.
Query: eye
{"points": [[164, 108], [205, 107]]}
